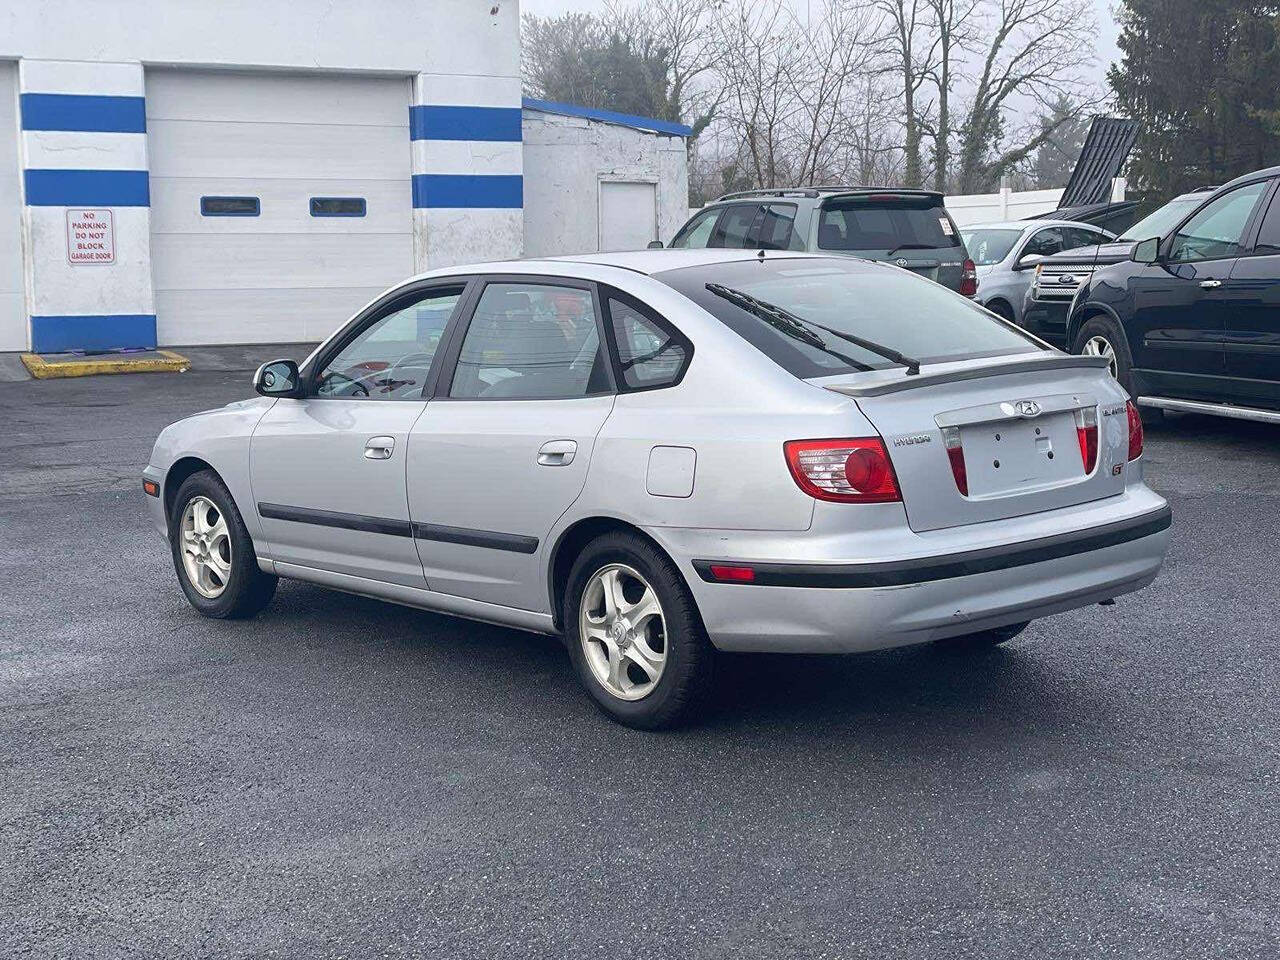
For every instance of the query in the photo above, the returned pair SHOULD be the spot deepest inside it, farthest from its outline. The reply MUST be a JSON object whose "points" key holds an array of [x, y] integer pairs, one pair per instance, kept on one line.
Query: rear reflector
{"points": [[1087, 434], [969, 281], [955, 453], [843, 471], [151, 488], [1135, 430], [733, 574]]}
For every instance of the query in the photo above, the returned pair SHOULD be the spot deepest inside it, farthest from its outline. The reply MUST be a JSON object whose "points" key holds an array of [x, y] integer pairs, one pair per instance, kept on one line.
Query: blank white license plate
{"points": [[1012, 456]]}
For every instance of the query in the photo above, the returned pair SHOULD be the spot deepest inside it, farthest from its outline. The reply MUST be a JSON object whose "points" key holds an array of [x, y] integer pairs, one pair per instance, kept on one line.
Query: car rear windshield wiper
{"points": [[801, 329], [911, 246]]}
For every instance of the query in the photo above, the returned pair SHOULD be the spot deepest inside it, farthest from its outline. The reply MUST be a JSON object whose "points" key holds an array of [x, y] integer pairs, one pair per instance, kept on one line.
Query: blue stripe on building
{"points": [[87, 188], [98, 332], [609, 116], [82, 112], [491, 191], [465, 123]]}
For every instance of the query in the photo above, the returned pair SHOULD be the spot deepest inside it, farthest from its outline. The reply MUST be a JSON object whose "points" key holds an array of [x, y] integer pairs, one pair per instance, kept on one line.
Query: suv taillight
{"points": [[1135, 430], [844, 471], [969, 282]]}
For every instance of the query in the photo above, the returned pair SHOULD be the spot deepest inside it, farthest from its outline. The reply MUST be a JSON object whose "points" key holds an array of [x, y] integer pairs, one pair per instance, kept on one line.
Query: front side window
{"points": [[648, 355], [872, 225], [531, 341], [1044, 243], [1216, 231], [697, 231], [890, 307], [391, 358]]}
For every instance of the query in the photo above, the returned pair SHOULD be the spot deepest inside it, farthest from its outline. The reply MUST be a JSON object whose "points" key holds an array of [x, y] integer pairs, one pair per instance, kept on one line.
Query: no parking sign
{"points": [[91, 236]]}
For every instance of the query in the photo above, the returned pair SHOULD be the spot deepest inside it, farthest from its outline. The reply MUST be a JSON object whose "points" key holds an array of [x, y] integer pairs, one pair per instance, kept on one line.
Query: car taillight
{"points": [[845, 471], [955, 453], [1087, 434], [1135, 430], [969, 282]]}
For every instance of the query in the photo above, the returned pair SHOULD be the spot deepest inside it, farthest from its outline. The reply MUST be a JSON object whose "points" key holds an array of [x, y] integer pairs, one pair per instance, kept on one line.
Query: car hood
{"points": [[1102, 253]]}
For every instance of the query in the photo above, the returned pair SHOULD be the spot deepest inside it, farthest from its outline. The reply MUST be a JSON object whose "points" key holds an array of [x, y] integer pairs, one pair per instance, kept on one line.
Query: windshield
{"points": [[989, 246], [868, 225], [1160, 222], [891, 308]]}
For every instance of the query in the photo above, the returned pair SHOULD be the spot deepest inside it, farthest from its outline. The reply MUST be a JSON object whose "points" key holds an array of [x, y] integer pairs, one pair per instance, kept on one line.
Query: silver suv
{"points": [[909, 228]]}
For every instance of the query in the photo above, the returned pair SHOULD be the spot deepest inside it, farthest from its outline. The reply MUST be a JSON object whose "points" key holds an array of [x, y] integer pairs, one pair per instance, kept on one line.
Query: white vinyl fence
{"points": [[1005, 205]]}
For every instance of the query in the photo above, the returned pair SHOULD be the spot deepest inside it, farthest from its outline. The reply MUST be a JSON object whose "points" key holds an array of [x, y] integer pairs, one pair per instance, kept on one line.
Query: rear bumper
{"points": [[849, 606]]}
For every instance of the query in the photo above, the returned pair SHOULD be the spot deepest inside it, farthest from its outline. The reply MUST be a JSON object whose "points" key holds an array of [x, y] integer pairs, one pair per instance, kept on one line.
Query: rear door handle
{"points": [[379, 448], [1210, 284], [557, 453]]}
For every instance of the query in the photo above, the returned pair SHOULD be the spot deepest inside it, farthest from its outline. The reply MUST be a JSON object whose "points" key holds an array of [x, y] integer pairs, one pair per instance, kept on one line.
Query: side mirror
{"points": [[654, 245], [1027, 261], [1148, 251], [279, 378]]}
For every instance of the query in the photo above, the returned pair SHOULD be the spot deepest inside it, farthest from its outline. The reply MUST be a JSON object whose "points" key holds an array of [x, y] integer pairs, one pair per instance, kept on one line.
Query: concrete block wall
{"points": [[83, 148]]}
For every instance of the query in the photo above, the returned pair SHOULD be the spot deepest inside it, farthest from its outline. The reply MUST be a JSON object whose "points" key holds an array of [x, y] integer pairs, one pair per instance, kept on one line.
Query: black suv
{"points": [[1191, 319], [909, 228]]}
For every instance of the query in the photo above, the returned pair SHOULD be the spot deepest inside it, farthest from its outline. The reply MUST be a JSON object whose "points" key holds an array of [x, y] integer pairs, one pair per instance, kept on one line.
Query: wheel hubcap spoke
{"points": [[205, 547], [623, 631]]}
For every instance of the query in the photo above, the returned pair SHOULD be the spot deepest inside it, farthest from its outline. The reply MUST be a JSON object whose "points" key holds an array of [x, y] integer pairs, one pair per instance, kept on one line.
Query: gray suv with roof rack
{"points": [[909, 228]]}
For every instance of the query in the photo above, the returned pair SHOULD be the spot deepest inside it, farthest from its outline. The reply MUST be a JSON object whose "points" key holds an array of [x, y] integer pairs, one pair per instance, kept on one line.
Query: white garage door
{"points": [[280, 202], [13, 315], [628, 215]]}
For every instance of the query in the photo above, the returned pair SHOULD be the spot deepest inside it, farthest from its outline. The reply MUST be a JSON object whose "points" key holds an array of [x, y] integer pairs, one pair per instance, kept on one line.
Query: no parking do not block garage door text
{"points": [[90, 236]]}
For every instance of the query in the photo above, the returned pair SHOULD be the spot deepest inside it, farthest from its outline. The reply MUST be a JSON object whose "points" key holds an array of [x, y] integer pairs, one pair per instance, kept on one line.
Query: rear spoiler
{"points": [[880, 388]]}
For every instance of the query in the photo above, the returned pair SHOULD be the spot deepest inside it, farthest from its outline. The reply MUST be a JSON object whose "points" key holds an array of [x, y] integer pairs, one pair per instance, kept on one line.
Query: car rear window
{"points": [[892, 307], [871, 224]]}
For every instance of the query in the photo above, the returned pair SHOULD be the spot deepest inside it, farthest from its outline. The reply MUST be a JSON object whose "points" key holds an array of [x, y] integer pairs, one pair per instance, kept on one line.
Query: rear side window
{"points": [[531, 341], [891, 307], [883, 226], [733, 229], [774, 227], [1269, 238], [648, 355]]}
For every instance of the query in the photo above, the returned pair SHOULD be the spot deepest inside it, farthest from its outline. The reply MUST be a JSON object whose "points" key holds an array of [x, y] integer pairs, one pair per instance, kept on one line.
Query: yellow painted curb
{"points": [[159, 362]]}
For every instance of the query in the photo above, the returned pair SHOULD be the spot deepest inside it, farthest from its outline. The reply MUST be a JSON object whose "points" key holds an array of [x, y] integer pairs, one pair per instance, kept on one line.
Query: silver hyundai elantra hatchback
{"points": [[660, 455]]}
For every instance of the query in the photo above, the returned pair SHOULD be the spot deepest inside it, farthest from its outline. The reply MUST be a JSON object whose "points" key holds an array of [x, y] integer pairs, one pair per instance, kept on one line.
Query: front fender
{"points": [[1085, 307], [219, 438]]}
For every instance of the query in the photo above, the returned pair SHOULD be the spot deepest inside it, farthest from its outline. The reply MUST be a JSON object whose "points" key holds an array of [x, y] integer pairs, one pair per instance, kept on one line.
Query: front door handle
{"points": [[379, 448], [1210, 284], [557, 453]]}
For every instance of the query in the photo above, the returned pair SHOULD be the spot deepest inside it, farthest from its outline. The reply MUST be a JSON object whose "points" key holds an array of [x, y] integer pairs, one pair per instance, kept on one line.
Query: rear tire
{"points": [[634, 634], [1003, 310], [983, 639], [1102, 336], [213, 553]]}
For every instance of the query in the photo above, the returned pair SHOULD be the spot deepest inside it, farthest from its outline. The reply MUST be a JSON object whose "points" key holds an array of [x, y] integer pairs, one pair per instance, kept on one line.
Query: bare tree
{"points": [[1033, 59], [912, 51], [954, 27]]}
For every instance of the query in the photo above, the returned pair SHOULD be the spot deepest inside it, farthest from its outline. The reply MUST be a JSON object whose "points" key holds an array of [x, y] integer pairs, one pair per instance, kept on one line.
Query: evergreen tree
{"points": [[1202, 78]]}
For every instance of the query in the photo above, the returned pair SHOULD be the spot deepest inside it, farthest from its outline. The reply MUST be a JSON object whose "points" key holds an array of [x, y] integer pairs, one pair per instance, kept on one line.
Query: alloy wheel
{"points": [[623, 631], [1098, 346], [206, 547]]}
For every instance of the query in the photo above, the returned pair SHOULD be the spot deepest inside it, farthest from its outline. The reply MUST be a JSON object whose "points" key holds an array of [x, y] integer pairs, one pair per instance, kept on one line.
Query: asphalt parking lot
{"points": [[343, 777]]}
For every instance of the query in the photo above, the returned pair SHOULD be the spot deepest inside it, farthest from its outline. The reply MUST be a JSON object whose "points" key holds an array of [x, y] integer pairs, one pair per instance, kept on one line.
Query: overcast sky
{"points": [[1107, 29]]}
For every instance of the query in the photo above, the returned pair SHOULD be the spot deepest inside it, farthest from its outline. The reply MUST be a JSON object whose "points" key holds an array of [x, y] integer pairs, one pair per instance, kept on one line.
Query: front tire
{"points": [[1103, 337], [634, 634], [213, 552]]}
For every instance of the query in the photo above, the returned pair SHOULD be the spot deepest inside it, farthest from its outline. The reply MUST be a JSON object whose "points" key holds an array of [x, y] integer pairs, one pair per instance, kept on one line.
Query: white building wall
{"points": [[462, 57], [565, 160]]}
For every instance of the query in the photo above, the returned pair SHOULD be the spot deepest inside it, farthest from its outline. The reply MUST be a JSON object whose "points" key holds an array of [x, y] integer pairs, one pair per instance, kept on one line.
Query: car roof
{"points": [[825, 192], [647, 262]]}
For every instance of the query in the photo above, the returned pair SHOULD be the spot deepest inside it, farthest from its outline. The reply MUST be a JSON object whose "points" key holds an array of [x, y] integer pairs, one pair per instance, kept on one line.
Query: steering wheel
{"points": [[357, 389]]}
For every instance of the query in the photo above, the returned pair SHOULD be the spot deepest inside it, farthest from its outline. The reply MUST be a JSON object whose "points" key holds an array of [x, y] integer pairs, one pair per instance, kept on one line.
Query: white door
{"points": [[13, 314], [628, 215], [280, 203]]}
